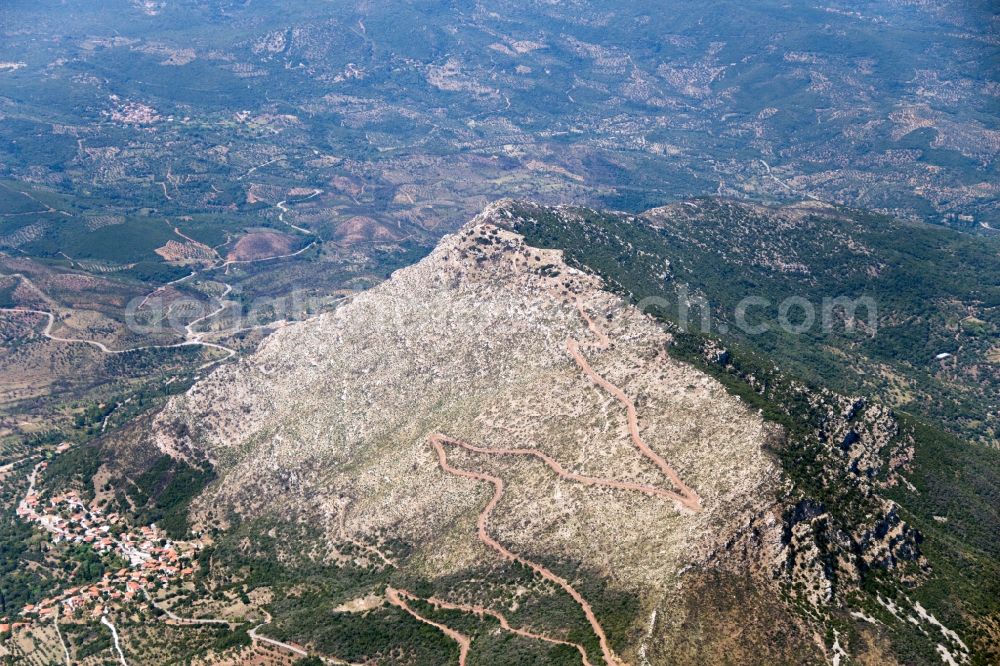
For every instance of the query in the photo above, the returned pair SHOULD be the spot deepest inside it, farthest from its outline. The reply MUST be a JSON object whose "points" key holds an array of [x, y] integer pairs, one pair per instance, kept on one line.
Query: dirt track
{"points": [[563, 473], [504, 623], [368, 548], [191, 338], [685, 496], [482, 522], [395, 597], [194, 341]]}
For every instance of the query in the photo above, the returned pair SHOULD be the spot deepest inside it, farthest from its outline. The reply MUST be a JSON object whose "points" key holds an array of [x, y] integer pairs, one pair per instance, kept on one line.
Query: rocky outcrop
{"points": [[553, 385], [472, 342]]}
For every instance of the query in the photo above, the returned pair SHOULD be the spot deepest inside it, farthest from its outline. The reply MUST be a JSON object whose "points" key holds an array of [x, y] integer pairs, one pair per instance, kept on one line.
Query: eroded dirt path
{"points": [[114, 636], [686, 497], [482, 523], [398, 598], [195, 341], [603, 341], [562, 472], [62, 641], [504, 623]]}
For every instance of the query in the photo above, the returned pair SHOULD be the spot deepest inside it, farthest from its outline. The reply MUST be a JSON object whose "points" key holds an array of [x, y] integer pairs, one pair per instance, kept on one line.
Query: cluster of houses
{"points": [[152, 559]]}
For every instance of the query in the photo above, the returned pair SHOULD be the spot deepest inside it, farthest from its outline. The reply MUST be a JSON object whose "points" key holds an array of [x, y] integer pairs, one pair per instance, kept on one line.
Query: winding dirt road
{"points": [[191, 337], [252, 633], [685, 496], [223, 263], [296, 650], [504, 623], [398, 598], [192, 342], [562, 472], [438, 441]]}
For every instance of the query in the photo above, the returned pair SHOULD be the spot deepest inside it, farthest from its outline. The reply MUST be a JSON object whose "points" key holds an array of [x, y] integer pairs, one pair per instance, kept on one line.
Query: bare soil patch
{"points": [[261, 245]]}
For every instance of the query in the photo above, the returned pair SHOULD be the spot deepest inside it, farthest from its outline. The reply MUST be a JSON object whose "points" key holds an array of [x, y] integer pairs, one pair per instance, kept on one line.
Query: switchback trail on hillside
{"points": [[502, 619], [506, 626], [396, 598], [482, 522], [562, 472], [686, 497]]}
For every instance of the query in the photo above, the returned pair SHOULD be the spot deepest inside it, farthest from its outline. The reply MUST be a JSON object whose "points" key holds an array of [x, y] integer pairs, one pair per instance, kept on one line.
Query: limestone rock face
{"points": [[472, 342]]}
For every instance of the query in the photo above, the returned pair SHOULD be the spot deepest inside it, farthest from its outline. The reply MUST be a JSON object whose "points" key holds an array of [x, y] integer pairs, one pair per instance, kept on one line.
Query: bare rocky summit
{"points": [[335, 414], [492, 362]]}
